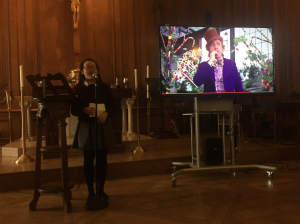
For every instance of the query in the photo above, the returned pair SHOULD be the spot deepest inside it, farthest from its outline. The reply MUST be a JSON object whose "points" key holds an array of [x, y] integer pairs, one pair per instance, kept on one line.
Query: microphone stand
{"points": [[96, 131], [97, 203]]}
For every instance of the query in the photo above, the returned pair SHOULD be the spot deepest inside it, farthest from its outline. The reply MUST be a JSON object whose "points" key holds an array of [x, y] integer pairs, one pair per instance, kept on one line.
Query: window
{"points": [[258, 40]]}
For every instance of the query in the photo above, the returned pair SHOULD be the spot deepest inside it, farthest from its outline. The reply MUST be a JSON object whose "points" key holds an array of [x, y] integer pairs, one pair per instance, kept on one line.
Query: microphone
{"points": [[95, 75]]}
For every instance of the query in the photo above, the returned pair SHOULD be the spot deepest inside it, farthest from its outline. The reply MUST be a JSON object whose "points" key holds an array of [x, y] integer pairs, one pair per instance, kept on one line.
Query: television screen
{"points": [[235, 60]]}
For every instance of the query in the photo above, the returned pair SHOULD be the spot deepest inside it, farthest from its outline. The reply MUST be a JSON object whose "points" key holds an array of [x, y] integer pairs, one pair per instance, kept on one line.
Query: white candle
{"points": [[135, 78], [21, 76], [148, 94], [147, 71]]}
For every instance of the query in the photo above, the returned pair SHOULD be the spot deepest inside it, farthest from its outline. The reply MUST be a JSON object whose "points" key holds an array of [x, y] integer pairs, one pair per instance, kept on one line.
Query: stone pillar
{"points": [[124, 117], [130, 102], [73, 122]]}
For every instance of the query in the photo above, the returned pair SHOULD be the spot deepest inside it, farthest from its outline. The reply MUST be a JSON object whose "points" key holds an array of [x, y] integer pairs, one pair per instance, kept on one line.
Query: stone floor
{"points": [[141, 192], [217, 197]]}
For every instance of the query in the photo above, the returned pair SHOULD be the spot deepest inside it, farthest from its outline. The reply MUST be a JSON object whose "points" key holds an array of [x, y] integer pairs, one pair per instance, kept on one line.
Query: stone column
{"points": [[130, 102], [124, 117], [73, 122]]}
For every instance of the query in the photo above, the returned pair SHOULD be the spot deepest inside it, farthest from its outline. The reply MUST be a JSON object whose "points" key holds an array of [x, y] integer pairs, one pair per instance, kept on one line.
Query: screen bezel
{"points": [[215, 94]]}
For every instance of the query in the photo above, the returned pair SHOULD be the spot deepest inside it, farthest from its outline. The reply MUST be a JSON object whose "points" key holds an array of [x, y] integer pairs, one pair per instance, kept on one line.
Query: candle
{"points": [[135, 78], [147, 71], [148, 94], [21, 76]]}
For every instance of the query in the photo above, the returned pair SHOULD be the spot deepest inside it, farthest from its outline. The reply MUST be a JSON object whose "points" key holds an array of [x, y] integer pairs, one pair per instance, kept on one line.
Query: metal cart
{"points": [[218, 105]]}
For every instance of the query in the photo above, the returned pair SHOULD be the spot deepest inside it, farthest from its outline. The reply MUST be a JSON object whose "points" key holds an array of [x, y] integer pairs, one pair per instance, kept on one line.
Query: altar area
{"points": [[14, 149], [157, 160]]}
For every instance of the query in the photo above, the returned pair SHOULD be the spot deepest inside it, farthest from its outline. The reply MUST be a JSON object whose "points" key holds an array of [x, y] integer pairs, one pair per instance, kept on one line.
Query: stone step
{"points": [[15, 148]]}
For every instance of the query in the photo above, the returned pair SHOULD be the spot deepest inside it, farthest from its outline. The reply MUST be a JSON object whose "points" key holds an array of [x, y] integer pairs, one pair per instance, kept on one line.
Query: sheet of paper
{"points": [[100, 108]]}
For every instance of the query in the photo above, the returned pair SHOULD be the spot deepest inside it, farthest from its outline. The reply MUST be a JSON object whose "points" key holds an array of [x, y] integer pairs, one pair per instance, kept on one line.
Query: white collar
{"points": [[86, 83]]}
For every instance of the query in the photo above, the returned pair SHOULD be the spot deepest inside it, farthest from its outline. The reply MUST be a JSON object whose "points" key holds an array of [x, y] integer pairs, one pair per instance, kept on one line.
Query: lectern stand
{"points": [[216, 105], [57, 100]]}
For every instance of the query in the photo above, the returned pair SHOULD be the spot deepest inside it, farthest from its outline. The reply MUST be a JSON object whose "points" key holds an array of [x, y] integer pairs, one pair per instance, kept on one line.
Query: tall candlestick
{"points": [[23, 158], [148, 94], [135, 78], [21, 76], [147, 71]]}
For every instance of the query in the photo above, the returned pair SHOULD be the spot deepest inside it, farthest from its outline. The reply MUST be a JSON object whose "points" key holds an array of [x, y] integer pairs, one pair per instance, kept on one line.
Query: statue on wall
{"points": [[75, 9]]}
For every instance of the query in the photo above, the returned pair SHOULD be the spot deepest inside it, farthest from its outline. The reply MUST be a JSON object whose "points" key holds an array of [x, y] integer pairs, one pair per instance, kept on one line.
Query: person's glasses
{"points": [[87, 67]]}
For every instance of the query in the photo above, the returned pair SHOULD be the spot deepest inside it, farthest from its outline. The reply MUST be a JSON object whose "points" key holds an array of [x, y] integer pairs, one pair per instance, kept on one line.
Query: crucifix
{"points": [[75, 4], [75, 9]]}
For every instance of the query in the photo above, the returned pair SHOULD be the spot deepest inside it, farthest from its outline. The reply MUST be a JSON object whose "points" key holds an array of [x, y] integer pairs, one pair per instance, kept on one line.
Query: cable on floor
{"points": [[246, 171]]}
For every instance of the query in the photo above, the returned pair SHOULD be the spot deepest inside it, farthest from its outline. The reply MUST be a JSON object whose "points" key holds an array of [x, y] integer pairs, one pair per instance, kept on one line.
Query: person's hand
{"points": [[212, 57], [89, 110], [102, 117]]}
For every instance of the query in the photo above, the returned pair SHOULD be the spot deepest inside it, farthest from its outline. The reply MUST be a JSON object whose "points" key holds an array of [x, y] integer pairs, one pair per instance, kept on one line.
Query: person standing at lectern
{"points": [[218, 74], [85, 136]]}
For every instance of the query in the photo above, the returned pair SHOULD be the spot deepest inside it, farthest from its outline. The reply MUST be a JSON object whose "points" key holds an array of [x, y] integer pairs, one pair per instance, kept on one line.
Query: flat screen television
{"points": [[183, 49]]}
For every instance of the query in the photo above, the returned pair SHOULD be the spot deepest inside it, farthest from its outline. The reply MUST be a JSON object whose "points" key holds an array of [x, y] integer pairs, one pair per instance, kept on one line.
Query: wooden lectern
{"points": [[54, 96]]}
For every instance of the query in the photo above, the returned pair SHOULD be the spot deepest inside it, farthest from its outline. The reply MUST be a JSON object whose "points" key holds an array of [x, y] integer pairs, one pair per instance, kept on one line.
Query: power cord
{"points": [[59, 193], [82, 177], [246, 171]]}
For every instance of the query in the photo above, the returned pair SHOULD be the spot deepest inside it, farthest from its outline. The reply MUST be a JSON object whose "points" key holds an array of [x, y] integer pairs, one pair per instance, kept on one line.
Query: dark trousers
{"points": [[101, 168]]}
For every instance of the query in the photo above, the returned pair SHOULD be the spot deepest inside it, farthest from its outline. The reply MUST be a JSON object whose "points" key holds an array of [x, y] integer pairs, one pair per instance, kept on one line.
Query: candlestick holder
{"points": [[138, 149], [8, 102], [23, 158], [126, 82], [148, 115]]}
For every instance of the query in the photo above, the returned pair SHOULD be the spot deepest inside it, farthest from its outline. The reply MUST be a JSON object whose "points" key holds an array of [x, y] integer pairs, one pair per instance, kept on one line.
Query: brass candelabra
{"points": [[23, 158], [139, 148]]}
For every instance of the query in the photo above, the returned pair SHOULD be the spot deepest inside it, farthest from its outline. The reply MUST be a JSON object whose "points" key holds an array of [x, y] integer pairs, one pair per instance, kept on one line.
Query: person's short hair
{"points": [[82, 77], [89, 59]]}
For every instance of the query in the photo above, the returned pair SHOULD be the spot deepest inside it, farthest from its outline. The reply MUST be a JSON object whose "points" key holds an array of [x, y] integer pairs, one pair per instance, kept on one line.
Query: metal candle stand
{"points": [[148, 114], [8, 101], [138, 149], [23, 158], [154, 82], [96, 131]]}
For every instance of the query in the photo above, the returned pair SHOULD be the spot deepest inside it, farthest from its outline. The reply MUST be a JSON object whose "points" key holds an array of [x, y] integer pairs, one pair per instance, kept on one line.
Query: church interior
{"points": [[151, 170]]}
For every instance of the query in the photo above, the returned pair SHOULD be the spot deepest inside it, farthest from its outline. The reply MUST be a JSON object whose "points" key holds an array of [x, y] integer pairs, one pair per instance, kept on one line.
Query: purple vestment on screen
{"points": [[231, 78]]}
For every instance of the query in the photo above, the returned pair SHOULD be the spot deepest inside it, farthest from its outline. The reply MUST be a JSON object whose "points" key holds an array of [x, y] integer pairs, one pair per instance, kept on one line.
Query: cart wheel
{"points": [[270, 174], [174, 181], [172, 169]]}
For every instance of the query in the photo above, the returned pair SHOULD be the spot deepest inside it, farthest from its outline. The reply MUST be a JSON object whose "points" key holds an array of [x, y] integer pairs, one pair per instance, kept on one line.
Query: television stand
{"points": [[218, 105]]}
